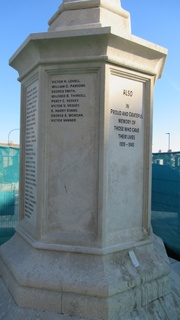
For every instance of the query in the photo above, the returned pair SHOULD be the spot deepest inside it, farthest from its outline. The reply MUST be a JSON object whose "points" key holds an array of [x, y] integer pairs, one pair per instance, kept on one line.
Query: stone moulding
{"points": [[129, 52], [77, 5]]}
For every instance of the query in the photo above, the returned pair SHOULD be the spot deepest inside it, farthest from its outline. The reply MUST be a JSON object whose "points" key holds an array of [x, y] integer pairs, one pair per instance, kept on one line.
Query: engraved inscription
{"points": [[67, 98], [31, 152], [127, 116], [73, 119], [127, 128], [126, 144]]}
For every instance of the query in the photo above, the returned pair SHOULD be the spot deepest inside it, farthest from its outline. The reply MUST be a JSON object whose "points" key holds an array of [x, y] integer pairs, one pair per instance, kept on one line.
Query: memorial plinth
{"points": [[84, 244]]}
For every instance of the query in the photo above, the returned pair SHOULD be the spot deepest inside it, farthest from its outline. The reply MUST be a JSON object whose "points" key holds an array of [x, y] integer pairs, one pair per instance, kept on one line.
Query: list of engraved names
{"points": [[31, 152], [68, 94]]}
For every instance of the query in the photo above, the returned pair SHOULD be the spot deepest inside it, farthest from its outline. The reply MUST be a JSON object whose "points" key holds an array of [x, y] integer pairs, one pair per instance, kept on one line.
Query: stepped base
{"points": [[90, 286]]}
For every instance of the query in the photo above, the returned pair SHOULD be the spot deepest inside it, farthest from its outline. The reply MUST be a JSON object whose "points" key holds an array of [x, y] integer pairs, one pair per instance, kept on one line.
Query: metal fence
{"points": [[166, 200], [9, 191], [166, 182]]}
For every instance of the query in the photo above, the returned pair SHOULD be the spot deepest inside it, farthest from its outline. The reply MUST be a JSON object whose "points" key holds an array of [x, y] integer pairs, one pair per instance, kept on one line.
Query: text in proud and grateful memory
{"points": [[67, 98], [126, 113], [127, 126]]}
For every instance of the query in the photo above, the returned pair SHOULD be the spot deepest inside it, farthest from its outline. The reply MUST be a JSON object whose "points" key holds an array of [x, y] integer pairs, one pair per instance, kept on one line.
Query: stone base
{"points": [[99, 287]]}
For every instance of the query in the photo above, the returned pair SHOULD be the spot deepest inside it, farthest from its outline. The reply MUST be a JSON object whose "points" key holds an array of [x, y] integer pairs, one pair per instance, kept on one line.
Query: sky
{"points": [[157, 21]]}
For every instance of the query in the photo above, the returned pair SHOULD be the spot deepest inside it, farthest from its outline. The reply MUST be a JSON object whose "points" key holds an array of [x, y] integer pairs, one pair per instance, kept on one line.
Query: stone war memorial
{"points": [[84, 245]]}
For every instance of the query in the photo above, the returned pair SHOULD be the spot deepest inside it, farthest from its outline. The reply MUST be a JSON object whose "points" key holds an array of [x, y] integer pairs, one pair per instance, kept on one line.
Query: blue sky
{"points": [[156, 21]]}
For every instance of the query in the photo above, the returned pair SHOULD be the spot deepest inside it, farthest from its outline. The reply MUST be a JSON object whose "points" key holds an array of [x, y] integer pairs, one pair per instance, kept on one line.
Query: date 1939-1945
{"points": [[124, 144]]}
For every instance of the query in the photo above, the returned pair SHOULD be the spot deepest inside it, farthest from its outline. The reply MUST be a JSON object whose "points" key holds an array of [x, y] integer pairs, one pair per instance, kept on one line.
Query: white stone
{"points": [[85, 236], [90, 286], [84, 14], [134, 258]]}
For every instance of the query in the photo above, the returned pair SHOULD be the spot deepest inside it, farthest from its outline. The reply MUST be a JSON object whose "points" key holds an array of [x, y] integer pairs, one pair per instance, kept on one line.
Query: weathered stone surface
{"points": [[84, 245], [85, 285], [91, 14], [164, 308]]}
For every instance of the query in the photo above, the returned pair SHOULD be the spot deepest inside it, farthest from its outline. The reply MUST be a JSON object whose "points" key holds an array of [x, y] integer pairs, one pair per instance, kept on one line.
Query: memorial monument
{"points": [[84, 244]]}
